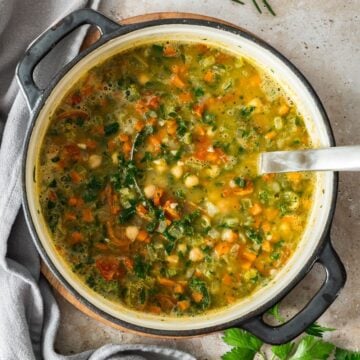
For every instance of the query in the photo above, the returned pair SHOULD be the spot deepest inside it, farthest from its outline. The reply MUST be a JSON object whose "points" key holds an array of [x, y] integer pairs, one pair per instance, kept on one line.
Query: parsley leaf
{"points": [[199, 92], [254, 235], [342, 354], [200, 286], [239, 354], [111, 128], [127, 214], [317, 330], [275, 312], [246, 111], [240, 181], [242, 339], [283, 351], [311, 348], [141, 268]]}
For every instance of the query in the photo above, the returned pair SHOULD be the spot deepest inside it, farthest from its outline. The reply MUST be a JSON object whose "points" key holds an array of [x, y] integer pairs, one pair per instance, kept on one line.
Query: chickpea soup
{"points": [[149, 185]]}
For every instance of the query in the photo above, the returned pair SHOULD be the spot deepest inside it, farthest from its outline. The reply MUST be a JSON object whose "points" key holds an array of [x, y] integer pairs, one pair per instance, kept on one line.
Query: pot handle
{"points": [[335, 280], [47, 40]]}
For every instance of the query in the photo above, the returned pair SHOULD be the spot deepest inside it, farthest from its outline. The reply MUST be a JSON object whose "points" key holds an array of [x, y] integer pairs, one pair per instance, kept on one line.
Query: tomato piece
{"points": [[108, 267]]}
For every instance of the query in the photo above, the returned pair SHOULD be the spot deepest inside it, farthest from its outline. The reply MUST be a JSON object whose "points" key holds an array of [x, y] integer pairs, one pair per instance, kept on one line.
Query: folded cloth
{"points": [[29, 315]]}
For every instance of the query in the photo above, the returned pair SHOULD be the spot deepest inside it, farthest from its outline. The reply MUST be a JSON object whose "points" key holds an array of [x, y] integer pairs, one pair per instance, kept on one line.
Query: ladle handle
{"points": [[342, 158]]}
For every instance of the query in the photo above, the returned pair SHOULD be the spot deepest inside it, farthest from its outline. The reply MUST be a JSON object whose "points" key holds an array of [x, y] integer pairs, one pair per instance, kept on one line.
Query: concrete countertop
{"points": [[322, 38]]}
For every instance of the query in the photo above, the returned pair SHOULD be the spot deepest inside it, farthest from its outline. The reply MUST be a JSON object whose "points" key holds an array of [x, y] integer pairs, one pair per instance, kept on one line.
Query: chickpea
{"points": [[196, 254], [229, 235], [177, 171], [149, 191], [132, 232], [191, 181], [95, 161]]}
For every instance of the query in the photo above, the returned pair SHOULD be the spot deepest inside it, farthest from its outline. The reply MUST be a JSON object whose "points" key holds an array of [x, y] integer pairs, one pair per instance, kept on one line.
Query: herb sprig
{"points": [[310, 347], [258, 8]]}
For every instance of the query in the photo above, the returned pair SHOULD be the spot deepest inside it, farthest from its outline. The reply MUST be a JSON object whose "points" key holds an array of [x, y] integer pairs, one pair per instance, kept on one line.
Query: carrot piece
{"points": [[154, 102], [73, 201], [270, 135], [291, 219], [178, 289], [227, 280], [112, 145], [249, 256], [197, 296], [199, 130], [246, 265], [167, 282], [209, 76], [90, 144], [141, 210], [260, 266], [178, 69], [123, 137], [176, 81], [295, 177], [139, 125], [283, 110], [198, 109], [75, 177], [172, 213], [266, 227], [143, 236], [70, 216], [76, 237], [157, 196], [268, 177], [271, 213], [87, 215], [266, 246], [222, 248], [99, 130], [183, 305], [155, 309], [154, 142], [171, 127], [127, 147], [256, 209], [249, 189], [52, 196], [141, 107], [129, 263], [255, 80], [185, 97], [151, 121], [169, 51]]}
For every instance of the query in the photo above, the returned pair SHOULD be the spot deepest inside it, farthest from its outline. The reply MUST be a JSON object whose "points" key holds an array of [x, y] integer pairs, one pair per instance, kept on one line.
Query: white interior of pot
{"points": [[314, 122]]}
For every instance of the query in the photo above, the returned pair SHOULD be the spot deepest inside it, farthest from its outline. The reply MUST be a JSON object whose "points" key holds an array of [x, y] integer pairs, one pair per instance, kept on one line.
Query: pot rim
{"points": [[125, 29]]}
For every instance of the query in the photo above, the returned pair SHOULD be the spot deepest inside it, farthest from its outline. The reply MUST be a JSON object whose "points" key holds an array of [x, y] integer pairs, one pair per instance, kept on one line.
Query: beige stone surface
{"points": [[322, 38]]}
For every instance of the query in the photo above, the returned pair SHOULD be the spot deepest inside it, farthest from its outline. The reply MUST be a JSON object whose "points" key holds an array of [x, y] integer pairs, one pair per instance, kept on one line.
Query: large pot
{"points": [[315, 246]]}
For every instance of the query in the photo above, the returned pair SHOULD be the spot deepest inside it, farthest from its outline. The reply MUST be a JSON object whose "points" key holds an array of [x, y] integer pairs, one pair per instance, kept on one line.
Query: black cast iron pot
{"points": [[315, 247]]}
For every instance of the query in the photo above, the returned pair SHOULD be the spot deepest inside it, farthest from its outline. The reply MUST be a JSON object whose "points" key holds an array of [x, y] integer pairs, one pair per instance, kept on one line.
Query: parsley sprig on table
{"points": [[310, 347], [257, 6]]}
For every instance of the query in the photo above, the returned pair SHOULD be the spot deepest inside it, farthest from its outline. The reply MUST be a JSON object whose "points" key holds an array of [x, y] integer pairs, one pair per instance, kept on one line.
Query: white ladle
{"points": [[342, 158]]}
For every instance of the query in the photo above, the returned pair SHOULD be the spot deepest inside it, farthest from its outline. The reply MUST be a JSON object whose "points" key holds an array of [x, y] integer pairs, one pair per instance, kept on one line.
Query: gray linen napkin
{"points": [[29, 315]]}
